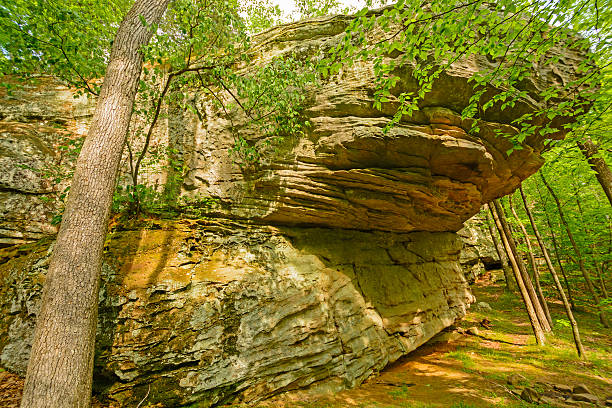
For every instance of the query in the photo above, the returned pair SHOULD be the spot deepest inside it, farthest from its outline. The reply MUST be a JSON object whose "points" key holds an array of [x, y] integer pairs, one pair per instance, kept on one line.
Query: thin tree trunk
{"points": [[598, 164], [553, 272], [536, 274], [557, 252], [522, 269], [602, 281], [593, 245], [61, 361], [604, 264], [585, 274], [500, 253], [533, 318]]}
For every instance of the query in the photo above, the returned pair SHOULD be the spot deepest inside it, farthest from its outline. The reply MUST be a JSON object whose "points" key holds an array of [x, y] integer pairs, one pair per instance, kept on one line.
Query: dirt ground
{"points": [[10, 390]]}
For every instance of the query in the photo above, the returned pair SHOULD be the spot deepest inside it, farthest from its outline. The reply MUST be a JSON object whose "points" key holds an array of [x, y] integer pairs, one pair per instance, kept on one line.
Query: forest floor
{"points": [[473, 371], [466, 371]]}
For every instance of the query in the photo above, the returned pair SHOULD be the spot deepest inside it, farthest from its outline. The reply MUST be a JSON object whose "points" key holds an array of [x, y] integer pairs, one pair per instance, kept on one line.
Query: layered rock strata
{"points": [[206, 312], [478, 253], [38, 120], [428, 173]]}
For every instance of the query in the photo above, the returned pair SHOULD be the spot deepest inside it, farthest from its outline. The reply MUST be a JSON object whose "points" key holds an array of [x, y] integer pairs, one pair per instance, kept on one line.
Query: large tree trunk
{"points": [[523, 270], [598, 164], [551, 268], [61, 362], [585, 274], [534, 266], [533, 318], [502, 258]]}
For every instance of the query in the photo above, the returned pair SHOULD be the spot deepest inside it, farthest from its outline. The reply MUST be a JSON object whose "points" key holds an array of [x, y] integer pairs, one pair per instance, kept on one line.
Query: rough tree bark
{"points": [[61, 361], [553, 272], [533, 318], [502, 258], [602, 316], [534, 266], [522, 269], [598, 164]]}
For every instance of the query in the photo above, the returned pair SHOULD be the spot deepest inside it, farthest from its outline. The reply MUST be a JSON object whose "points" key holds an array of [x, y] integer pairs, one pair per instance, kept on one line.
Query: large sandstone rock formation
{"points": [[207, 311], [341, 257], [426, 174]]}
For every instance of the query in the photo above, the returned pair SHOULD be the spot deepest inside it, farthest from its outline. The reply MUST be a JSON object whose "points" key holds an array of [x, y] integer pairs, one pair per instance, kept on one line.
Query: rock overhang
{"points": [[427, 173], [209, 310]]}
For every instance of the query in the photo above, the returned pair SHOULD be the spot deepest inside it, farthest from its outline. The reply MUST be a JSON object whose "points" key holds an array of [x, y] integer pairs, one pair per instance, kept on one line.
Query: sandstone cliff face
{"points": [[34, 121], [426, 174], [344, 256], [208, 311], [478, 252]]}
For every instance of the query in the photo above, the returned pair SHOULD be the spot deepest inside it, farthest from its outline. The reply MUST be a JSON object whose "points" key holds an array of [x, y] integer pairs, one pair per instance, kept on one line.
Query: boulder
{"points": [[445, 337], [483, 306], [590, 398], [565, 389], [208, 312], [516, 379], [581, 389], [530, 395]]}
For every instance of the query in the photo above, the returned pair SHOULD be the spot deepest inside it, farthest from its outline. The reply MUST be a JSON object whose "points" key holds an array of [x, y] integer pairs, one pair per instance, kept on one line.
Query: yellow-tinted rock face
{"points": [[425, 174], [35, 120], [211, 312]]}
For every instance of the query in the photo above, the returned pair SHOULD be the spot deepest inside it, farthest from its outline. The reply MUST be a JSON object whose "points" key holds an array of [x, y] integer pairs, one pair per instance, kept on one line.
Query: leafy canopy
{"points": [[516, 37], [67, 39]]}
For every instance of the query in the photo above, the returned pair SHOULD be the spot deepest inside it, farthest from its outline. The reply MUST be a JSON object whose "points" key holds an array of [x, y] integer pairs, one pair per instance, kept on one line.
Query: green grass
{"points": [[403, 392], [462, 356]]}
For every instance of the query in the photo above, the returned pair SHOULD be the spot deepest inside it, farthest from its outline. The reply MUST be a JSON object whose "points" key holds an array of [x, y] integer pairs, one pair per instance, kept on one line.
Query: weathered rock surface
{"points": [[210, 311], [426, 174], [354, 262], [478, 253], [554, 395], [34, 120]]}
